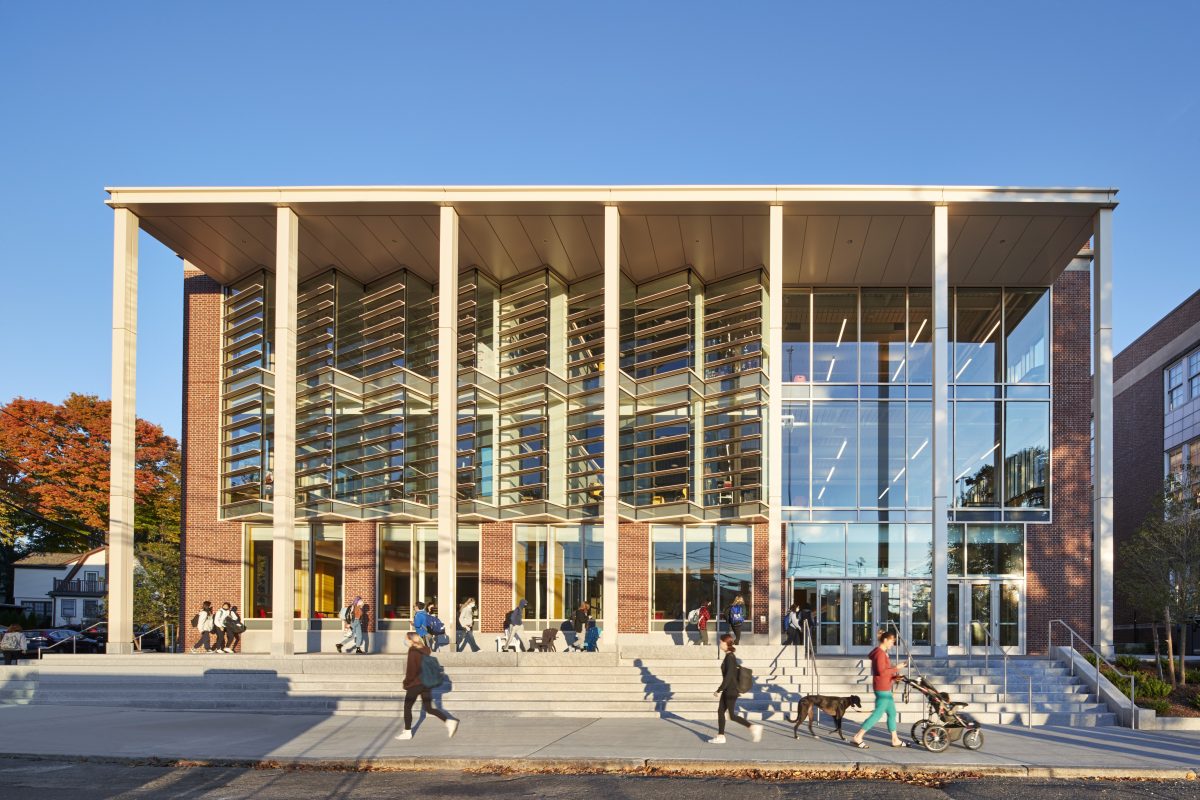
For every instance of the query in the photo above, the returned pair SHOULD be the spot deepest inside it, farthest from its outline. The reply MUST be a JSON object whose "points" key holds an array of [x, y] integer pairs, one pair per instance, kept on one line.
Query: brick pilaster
{"points": [[212, 550], [633, 578], [495, 575]]}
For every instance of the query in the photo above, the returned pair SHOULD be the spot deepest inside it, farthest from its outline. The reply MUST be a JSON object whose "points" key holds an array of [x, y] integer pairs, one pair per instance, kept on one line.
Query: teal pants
{"points": [[884, 704]]}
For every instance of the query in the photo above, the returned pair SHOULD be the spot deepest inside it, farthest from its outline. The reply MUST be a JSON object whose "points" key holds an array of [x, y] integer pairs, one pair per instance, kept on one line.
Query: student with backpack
{"points": [[347, 617], [579, 622], [591, 640], [422, 675], [436, 627], [466, 624], [203, 622], [791, 625], [421, 622], [735, 617], [735, 680], [234, 628], [703, 615], [219, 628], [514, 625]]}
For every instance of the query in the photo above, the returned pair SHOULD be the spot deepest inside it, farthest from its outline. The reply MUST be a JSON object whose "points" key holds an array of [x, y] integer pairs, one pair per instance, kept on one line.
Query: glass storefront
{"points": [[691, 564], [318, 565]]}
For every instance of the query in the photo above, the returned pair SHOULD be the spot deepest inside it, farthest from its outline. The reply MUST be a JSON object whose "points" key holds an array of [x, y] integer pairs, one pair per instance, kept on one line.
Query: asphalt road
{"points": [[58, 780]]}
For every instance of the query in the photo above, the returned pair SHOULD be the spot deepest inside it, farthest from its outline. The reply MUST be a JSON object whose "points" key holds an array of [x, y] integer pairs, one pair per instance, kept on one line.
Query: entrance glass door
{"points": [[849, 613], [983, 614]]}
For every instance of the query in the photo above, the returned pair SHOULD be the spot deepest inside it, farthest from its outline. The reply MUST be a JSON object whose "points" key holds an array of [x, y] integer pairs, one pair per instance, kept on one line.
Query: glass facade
{"points": [[319, 569], [691, 564]]}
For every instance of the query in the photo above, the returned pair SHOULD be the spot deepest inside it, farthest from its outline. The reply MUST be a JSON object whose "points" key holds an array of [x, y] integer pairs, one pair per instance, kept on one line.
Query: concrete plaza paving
{"points": [[230, 737]]}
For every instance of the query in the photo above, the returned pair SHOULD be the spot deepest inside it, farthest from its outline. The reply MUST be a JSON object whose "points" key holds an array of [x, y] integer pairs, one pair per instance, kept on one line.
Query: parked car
{"points": [[35, 640], [153, 636], [60, 641]]}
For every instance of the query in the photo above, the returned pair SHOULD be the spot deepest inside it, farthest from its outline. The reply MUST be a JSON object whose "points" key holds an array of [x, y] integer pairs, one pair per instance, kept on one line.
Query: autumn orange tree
{"points": [[54, 483]]}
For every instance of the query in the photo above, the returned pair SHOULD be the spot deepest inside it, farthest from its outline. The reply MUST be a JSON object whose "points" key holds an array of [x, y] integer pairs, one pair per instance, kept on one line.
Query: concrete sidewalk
{"points": [[347, 741]]}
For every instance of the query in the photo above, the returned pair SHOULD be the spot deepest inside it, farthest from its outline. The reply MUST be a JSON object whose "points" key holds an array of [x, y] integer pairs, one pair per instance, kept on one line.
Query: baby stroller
{"points": [[943, 723]]}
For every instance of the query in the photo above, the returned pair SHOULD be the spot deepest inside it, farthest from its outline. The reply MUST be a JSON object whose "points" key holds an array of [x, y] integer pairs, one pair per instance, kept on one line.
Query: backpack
{"points": [[787, 620], [196, 620], [736, 615], [436, 626], [745, 679], [348, 614], [693, 617], [432, 674], [11, 641]]}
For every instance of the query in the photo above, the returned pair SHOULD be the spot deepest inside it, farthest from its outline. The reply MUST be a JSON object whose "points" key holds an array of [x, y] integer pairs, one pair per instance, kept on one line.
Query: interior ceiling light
{"points": [[841, 333], [963, 368], [919, 449], [917, 335], [898, 368], [989, 333], [842, 449], [829, 374]]}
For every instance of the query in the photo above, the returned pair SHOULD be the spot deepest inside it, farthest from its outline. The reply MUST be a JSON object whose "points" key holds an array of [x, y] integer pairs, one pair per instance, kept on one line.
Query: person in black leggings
{"points": [[413, 688], [728, 694]]}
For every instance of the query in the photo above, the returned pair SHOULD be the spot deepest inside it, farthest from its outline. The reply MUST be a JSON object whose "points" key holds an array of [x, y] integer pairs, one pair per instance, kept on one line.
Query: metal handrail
{"points": [[810, 655], [987, 629], [138, 639], [1133, 714], [72, 639]]}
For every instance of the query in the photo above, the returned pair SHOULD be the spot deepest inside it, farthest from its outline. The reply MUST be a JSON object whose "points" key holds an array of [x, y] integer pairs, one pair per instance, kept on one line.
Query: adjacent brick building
{"points": [[1156, 404]]}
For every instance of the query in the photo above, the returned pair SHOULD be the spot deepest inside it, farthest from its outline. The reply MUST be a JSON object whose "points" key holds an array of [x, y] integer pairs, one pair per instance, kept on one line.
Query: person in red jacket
{"points": [[702, 620], [883, 675], [414, 688]]}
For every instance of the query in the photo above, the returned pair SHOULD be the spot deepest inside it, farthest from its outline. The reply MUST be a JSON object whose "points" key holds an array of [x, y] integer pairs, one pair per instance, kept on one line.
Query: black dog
{"points": [[835, 707]]}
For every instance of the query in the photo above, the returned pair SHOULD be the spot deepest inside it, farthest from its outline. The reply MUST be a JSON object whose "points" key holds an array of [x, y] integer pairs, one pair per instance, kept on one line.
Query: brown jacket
{"points": [[412, 671]]}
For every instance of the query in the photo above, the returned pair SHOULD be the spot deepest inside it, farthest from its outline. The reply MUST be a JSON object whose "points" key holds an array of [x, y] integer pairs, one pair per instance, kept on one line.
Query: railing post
{"points": [[1133, 700], [1029, 707]]}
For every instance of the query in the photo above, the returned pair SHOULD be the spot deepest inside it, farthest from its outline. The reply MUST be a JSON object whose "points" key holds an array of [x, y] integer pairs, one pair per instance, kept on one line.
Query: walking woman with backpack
{"points": [[883, 675], [735, 617], [728, 693], [422, 675], [203, 622]]}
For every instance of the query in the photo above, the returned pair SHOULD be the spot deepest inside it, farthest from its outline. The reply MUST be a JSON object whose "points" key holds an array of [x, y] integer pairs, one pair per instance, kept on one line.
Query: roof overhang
{"points": [[833, 235]]}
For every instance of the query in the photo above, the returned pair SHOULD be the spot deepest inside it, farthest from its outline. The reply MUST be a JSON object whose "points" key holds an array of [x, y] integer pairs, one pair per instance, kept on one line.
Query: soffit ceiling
{"points": [[880, 244]]}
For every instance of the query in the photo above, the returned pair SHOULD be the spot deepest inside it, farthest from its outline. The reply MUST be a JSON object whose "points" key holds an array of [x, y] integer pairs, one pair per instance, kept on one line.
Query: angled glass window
{"points": [[977, 336], [835, 336], [834, 454], [881, 351], [920, 336], [976, 453], [1027, 335], [1026, 454], [816, 550], [797, 350], [796, 472]]}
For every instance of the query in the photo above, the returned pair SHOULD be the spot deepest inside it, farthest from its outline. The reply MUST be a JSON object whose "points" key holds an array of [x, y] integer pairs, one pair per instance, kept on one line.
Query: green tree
{"points": [[1159, 566]]}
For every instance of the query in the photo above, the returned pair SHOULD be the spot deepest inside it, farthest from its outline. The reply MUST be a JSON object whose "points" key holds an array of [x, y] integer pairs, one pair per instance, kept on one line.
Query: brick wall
{"points": [[760, 599], [633, 578], [495, 575], [1181, 318], [1059, 555], [212, 550], [361, 572]]}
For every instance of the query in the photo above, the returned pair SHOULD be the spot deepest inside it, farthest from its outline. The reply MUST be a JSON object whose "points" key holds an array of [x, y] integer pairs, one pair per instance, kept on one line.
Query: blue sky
{"points": [[98, 94]]}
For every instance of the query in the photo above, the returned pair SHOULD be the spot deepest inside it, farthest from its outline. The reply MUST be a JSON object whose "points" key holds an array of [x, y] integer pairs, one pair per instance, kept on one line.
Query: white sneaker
{"points": [[718, 739], [451, 727], [404, 735], [756, 732]]}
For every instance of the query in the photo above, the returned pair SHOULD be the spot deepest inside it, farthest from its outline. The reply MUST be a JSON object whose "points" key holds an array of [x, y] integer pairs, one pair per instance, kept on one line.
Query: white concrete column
{"points": [[123, 449], [774, 436], [941, 419], [1102, 419], [612, 418], [447, 416], [283, 459]]}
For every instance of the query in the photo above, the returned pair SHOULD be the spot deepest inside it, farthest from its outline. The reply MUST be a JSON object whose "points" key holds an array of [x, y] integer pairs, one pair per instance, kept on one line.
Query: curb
{"points": [[679, 767]]}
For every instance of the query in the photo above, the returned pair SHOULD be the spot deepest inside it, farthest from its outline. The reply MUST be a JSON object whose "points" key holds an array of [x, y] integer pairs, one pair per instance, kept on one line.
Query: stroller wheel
{"points": [[918, 731], [935, 739], [973, 739]]}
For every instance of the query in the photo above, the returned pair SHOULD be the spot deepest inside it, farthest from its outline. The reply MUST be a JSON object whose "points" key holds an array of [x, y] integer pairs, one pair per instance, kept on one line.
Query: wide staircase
{"points": [[640, 681]]}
